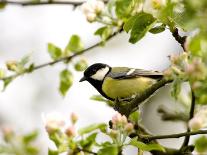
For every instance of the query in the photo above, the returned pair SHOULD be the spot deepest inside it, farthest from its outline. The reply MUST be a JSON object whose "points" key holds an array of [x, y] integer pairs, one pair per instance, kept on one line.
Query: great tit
{"points": [[119, 82]]}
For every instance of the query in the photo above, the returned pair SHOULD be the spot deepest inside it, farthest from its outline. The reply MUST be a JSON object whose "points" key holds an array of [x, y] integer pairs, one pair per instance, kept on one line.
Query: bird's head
{"points": [[96, 72]]}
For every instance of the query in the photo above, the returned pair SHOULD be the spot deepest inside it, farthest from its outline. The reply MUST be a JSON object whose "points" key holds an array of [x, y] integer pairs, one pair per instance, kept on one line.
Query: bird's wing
{"points": [[127, 73]]}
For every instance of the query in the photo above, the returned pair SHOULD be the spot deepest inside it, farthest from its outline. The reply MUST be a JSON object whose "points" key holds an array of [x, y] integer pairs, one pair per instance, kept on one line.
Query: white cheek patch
{"points": [[100, 74], [130, 71]]}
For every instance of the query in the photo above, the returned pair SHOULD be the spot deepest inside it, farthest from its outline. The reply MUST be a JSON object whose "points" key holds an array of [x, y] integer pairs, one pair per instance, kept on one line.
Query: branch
{"points": [[187, 137], [67, 59], [150, 138], [127, 108], [178, 38], [41, 3], [33, 3]]}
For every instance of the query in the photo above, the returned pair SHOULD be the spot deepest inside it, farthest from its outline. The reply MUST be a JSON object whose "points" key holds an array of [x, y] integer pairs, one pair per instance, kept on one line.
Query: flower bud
{"points": [[174, 59], [70, 131], [91, 17], [7, 133], [190, 69], [124, 120], [113, 133], [168, 73], [116, 119], [99, 6], [129, 127], [53, 122], [11, 65], [73, 118], [196, 123]]}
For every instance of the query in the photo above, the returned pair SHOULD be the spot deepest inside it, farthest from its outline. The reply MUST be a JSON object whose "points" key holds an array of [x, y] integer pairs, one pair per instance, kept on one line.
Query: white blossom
{"points": [[92, 8]]}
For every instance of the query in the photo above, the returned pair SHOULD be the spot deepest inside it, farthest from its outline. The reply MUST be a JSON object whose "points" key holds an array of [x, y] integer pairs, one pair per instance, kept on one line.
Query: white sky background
{"points": [[26, 30]]}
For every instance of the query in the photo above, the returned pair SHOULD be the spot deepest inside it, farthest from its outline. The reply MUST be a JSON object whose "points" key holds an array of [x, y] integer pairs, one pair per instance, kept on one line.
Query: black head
{"points": [[97, 72]]}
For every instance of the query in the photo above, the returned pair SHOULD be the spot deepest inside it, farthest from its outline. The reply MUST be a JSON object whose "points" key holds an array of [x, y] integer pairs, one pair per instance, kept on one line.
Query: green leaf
{"points": [[146, 147], [141, 26], [102, 99], [104, 32], [30, 137], [2, 5], [75, 44], [198, 45], [98, 98], [108, 150], [157, 29], [31, 150], [90, 128], [30, 68], [201, 144], [134, 117], [88, 141], [54, 51], [66, 81], [123, 8], [129, 23], [81, 65], [7, 82], [24, 60], [52, 152]]}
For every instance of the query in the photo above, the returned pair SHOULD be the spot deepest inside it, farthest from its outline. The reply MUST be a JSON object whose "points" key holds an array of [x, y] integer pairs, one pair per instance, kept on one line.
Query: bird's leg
{"points": [[121, 105]]}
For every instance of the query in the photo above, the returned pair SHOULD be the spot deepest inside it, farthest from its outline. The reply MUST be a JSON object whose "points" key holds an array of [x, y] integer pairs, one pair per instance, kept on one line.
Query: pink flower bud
{"points": [[124, 119], [70, 131], [7, 133], [53, 121], [129, 127], [116, 119]]}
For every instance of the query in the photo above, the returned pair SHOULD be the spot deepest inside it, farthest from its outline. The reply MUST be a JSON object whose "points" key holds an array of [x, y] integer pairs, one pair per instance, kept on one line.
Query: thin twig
{"points": [[150, 138], [33, 3], [63, 59], [192, 108], [74, 3]]}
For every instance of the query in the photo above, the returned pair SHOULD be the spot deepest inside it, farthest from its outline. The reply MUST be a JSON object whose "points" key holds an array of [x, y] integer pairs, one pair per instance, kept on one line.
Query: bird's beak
{"points": [[82, 79]]}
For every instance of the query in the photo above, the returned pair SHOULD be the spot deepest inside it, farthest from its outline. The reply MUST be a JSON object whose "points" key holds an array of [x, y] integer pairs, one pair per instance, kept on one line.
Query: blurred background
{"points": [[27, 30]]}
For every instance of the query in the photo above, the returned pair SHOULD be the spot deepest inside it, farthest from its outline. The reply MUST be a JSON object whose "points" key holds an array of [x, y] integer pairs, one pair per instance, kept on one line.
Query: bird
{"points": [[119, 82]]}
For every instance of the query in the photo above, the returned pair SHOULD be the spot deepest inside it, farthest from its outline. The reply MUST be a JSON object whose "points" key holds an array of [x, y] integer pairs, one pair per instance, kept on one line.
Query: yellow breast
{"points": [[125, 88]]}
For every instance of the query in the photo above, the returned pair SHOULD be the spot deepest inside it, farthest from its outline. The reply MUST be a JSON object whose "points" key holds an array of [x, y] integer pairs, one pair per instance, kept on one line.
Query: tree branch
{"points": [[178, 38], [63, 59], [127, 108], [74, 3], [150, 138], [33, 3]]}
